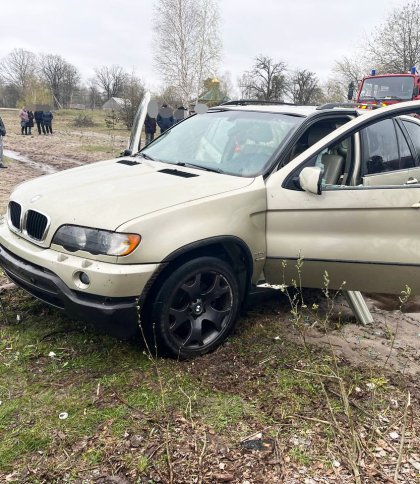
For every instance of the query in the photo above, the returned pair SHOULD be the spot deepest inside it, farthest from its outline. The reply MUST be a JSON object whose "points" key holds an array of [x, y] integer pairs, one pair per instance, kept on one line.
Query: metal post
{"points": [[359, 307]]}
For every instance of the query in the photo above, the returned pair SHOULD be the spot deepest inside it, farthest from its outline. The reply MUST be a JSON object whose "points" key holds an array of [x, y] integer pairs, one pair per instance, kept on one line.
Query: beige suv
{"points": [[174, 237]]}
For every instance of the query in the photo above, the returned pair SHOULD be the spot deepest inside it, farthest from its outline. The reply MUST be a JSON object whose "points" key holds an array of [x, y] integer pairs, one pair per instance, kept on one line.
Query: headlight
{"points": [[95, 241]]}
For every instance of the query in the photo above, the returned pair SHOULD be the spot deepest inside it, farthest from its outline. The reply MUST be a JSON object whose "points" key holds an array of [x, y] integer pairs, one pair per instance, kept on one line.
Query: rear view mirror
{"points": [[310, 179]]}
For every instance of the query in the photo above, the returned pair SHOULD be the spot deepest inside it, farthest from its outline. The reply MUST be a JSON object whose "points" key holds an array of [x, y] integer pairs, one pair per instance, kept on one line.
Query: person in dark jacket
{"points": [[39, 121], [149, 128], [47, 117], [165, 118], [180, 114], [2, 133], [30, 123]]}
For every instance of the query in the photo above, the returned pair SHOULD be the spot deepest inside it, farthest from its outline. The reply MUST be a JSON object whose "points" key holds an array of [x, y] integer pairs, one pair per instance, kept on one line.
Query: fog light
{"points": [[84, 278], [81, 280]]}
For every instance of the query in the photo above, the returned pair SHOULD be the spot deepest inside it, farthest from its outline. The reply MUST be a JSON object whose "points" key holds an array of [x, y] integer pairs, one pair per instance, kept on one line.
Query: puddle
{"points": [[44, 167]]}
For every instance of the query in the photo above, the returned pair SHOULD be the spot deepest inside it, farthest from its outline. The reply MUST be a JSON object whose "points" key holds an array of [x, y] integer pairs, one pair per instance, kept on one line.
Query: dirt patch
{"points": [[392, 340]]}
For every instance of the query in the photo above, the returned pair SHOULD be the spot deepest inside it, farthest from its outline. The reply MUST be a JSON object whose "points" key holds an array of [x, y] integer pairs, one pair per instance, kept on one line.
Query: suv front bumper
{"points": [[112, 307]]}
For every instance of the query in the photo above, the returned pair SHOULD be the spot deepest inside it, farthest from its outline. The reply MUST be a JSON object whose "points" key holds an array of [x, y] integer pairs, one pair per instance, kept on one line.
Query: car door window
{"points": [[406, 157], [386, 156], [414, 132], [336, 163], [380, 152]]}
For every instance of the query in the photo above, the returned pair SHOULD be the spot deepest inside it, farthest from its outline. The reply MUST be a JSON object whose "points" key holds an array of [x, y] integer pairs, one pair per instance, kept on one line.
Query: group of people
{"points": [[165, 119], [43, 120]]}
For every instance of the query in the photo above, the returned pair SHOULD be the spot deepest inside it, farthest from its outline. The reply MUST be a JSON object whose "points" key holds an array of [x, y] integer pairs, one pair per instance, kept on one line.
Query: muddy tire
{"points": [[195, 309]]}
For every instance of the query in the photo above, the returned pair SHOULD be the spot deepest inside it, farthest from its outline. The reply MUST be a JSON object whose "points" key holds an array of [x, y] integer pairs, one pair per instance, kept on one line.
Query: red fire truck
{"points": [[384, 89]]}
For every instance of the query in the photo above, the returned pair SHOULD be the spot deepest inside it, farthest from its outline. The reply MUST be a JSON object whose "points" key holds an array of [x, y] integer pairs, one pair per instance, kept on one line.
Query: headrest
{"points": [[318, 132]]}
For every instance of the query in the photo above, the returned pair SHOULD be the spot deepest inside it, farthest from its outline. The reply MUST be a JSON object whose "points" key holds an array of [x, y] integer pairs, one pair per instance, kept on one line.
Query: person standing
{"points": [[180, 114], [47, 117], [149, 128], [2, 133], [39, 121], [30, 123], [23, 115], [165, 118]]}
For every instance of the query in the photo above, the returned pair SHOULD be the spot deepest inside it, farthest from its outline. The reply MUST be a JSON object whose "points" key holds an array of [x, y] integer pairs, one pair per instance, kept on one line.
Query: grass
{"points": [[181, 412], [64, 121], [98, 148]]}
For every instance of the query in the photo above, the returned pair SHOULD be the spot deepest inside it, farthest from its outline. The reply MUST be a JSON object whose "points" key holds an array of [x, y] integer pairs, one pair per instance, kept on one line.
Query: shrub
{"points": [[83, 121]]}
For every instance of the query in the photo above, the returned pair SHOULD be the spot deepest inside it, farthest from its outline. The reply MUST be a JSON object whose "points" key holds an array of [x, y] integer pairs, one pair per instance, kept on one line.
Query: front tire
{"points": [[195, 308]]}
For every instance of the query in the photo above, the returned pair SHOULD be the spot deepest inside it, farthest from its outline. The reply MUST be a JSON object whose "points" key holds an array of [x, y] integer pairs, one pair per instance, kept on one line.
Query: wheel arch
{"points": [[228, 248]]}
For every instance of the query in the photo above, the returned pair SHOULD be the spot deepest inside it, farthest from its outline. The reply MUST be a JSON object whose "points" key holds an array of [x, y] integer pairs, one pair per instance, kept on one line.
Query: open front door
{"points": [[364, 235], [134, 143]]}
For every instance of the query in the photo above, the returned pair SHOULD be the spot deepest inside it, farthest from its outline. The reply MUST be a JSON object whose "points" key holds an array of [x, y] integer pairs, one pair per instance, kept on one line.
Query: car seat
{"points": [[333, 168]]}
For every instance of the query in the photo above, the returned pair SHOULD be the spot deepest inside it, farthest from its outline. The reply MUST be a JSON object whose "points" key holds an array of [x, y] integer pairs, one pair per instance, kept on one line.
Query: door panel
{"points": [[364, 235], [368, 237]]}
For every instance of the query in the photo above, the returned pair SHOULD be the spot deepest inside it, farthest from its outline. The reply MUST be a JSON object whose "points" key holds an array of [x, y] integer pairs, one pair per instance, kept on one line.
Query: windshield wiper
{"points": [[200, 167], [147, 157]]}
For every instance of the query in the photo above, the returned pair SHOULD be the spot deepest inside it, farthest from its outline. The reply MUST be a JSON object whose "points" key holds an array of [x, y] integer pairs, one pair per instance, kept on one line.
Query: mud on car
{"points": [[188, 225]]}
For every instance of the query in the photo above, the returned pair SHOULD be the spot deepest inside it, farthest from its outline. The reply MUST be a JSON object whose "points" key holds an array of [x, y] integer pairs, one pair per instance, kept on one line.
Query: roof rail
{"points": [[247, 102], [347, 105]]}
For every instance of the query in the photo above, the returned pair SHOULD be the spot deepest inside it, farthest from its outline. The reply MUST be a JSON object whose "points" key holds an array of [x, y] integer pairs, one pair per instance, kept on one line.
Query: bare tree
{"points": [[334, 92], [187, 43], [61, 77], [132, 95], [347, 71], [395, 47], [94, 96], [111, 80], [168, 95], [265, 81], [226, 84], [70, 84], [303, 88], [18, 69]]}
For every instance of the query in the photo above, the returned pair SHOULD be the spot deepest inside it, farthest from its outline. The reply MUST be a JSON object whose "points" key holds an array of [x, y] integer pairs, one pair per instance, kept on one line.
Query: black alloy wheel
{"points": [[196, 308]]}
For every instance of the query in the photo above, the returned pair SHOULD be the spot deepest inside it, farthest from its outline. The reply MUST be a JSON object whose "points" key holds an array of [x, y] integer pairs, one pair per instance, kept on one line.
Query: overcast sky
{"points": [[309, 34]]}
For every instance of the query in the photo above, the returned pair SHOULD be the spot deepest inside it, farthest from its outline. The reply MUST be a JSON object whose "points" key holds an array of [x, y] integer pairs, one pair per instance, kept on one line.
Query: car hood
{"points": [[110, 193]]}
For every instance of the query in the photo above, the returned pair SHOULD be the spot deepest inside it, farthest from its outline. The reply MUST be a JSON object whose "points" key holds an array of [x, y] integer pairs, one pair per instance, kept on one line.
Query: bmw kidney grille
{"points": [[33, 224]]}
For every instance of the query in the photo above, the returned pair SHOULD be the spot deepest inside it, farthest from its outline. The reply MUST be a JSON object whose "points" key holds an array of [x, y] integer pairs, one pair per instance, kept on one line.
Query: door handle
{"points": [[416, 205], [411, 181]]}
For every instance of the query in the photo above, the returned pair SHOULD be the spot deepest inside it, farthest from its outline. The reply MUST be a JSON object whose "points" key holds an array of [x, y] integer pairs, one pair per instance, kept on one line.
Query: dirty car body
{"points": [[173, 238]]}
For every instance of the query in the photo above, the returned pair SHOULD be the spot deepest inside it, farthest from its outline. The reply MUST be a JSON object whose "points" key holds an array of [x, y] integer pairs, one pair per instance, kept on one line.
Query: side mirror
{"points": [[126, 152], [416, 91], [350, 92], [310, 179]]}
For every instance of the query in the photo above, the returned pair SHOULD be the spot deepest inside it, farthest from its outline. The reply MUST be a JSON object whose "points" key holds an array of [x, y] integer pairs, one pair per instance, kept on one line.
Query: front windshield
{"points": [[234, 142], [395, 87]]}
